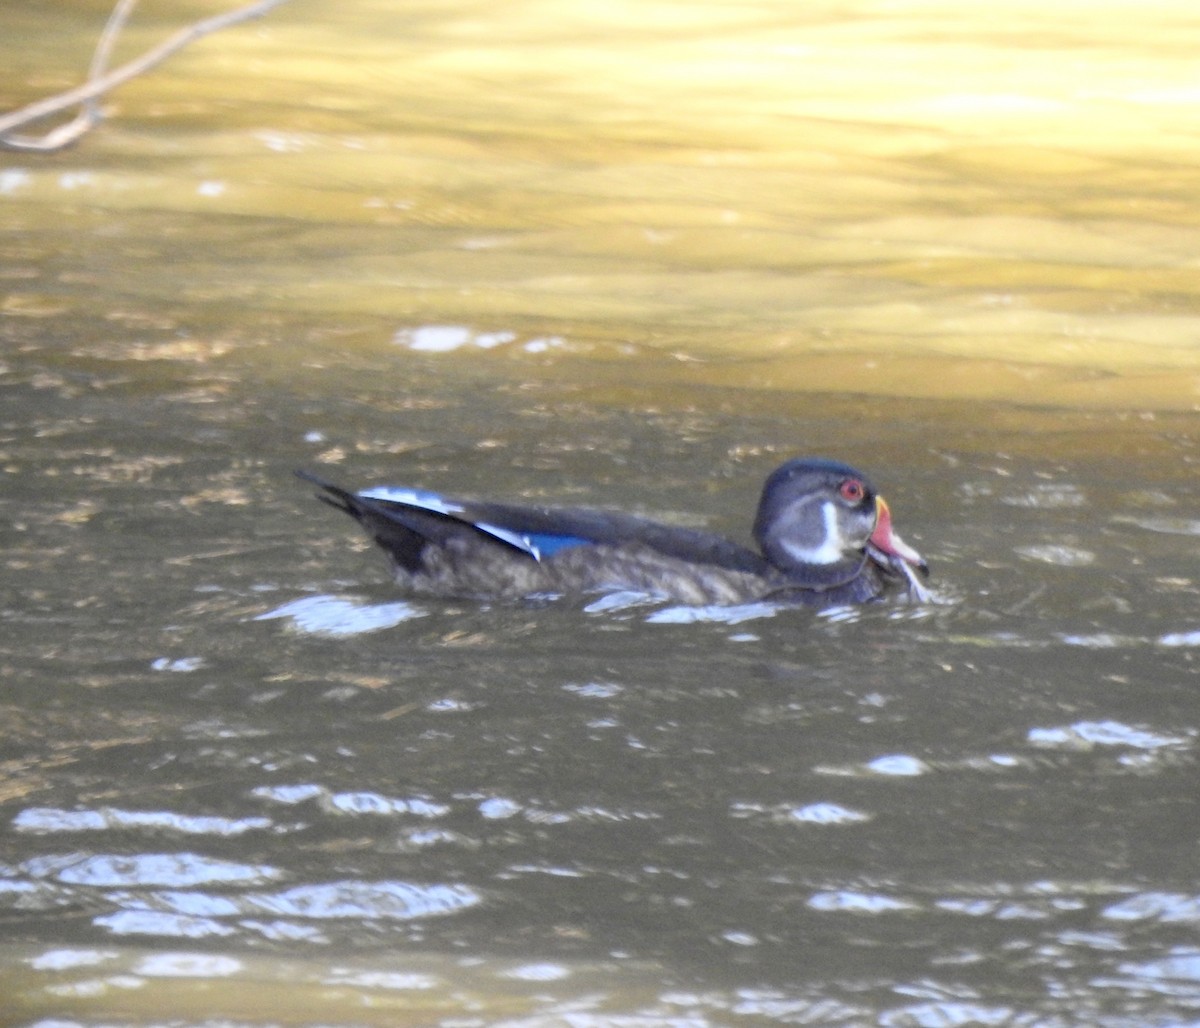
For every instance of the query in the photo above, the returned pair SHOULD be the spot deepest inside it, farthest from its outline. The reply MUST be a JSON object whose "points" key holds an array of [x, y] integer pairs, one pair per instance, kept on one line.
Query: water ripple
{"points": [[849, 901], [335, 616], [1086, 734], [161, 925], [1163, 525], [363, 802], [368, 900], [1165, 907], [45, 820], [725, 615], [175, 869]]}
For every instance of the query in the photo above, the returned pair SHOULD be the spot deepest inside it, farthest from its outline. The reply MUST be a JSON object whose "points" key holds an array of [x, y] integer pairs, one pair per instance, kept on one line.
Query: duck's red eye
{"points": [[852, 490]]}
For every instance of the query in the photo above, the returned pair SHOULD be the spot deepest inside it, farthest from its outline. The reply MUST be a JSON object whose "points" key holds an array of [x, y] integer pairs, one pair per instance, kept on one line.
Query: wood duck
{"points": [[825, 538]]}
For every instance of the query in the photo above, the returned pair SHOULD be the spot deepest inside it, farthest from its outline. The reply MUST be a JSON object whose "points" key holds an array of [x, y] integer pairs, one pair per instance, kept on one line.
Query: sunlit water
{"points": [[630, 257]]}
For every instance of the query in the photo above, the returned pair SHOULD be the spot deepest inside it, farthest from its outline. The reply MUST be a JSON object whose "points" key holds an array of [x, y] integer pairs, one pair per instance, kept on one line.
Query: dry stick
{"points": [[104, 47], [89, 110], [95, 87]]}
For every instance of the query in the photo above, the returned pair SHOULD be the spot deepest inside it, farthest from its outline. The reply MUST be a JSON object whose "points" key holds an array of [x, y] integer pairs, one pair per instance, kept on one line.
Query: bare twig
{"points": [[100, 81], [89, 110]]}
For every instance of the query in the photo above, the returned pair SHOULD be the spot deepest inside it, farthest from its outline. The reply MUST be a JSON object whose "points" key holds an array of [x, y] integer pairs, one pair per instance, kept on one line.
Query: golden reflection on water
{"points": [[919, 198]]}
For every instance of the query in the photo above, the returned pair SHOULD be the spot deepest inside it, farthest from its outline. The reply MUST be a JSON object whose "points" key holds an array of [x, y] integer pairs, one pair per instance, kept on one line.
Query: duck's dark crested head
{"points": [[819, 521]]}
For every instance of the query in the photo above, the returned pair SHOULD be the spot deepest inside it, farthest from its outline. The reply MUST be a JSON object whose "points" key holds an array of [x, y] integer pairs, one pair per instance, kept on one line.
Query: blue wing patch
{"points": [[548, 545], [537, 545]]}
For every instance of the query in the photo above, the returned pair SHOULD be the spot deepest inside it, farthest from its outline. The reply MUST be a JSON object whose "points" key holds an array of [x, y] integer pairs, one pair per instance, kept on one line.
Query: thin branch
{"points": [[108, 39], [100, 82], [89, 111]]}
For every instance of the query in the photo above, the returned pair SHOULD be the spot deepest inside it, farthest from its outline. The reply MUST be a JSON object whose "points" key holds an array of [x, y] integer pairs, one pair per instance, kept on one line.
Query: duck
{"points": [[823, 534]]}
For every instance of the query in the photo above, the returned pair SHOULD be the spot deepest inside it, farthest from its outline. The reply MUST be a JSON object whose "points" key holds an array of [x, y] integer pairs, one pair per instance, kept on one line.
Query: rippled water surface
{"points": [[630, 259]]}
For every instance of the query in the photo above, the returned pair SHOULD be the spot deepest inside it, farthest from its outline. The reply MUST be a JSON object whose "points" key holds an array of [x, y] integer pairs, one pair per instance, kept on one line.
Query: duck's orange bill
{"points": [[885, 539]]}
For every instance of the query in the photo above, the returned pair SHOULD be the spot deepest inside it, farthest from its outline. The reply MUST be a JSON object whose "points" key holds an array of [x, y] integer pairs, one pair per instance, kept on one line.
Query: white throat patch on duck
{"points": [[831, 549]]}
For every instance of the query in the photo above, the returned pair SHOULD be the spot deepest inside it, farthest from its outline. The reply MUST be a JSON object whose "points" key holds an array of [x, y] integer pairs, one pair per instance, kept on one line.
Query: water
{"points": [[234, 749], [248, 782]]}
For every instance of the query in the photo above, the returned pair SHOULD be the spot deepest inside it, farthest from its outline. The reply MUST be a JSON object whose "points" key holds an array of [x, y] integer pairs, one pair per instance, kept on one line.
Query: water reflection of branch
{"points": [[99, 81]]}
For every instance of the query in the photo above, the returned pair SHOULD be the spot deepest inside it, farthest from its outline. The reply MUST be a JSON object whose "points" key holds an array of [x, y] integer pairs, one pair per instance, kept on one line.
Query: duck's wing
{"points": [[534, 532], [405, 521]]}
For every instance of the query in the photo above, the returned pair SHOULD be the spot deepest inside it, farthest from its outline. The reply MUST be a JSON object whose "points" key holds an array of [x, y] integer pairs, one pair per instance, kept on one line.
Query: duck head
{"points": [[820, 521]]}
